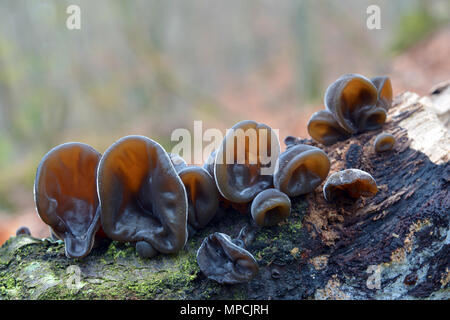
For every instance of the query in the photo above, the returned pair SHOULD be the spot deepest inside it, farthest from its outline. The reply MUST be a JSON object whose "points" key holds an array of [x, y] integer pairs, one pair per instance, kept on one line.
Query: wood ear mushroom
{"points": [[143, 199], [224, 260], [349, 183], [300, 169], [384, 142], [353, 104], [202, 194], [66, 198], [239, 168], [270, 207]]}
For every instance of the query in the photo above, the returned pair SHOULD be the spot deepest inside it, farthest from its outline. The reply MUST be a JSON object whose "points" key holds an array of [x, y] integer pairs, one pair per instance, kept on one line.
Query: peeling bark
{"points": [[395, 245]]}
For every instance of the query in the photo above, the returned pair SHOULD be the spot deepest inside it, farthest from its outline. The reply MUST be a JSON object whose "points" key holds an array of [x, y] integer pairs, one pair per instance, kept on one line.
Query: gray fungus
{"points": [[224, 260]]}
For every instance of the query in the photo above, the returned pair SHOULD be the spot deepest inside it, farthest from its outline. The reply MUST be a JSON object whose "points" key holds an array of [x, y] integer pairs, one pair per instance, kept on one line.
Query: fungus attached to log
{"points": [[202, 195], [352, 183], [384, 89], [270, 207], [66, 196], [291, 141], [353, 104], [300, 169], [245, 161], [225, 261], [384, 142], [23, 230], [143, 199], [323, 128], [352, 99]]}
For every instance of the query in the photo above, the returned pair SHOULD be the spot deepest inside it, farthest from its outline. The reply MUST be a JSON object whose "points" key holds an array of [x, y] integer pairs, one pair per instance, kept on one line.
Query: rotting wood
{"points": [[323, 251]]}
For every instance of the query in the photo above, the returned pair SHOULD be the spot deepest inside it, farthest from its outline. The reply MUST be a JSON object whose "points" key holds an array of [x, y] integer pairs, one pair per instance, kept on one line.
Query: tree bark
{"points": [[395, 245]]}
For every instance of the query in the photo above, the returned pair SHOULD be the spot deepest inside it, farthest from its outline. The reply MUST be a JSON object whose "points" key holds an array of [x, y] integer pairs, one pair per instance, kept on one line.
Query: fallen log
{"points": [[395, 245]]}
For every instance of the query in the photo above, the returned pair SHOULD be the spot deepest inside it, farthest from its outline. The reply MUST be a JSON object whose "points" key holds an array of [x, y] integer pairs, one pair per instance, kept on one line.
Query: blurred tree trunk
{"points": [[308, 53]]}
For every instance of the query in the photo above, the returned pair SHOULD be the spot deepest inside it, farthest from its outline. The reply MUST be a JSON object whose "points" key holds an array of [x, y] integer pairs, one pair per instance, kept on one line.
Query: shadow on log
{"points": [[395, 245]]}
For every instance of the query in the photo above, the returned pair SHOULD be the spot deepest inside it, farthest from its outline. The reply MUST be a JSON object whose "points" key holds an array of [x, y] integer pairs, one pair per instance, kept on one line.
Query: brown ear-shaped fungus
{"points": [[372, 119], [323, 128], [203, 198], [384, 142], [225, 261], [245, 161], [143, 199], [384, 88], [291, 141], [301, 169], [270, 207], [352, 183], [23, 230], [66, 196], [352, 100]]}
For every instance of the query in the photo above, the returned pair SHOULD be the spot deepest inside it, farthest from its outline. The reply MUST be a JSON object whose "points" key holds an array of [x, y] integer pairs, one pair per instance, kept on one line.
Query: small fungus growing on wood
{"points": [[224, 260], [300, 169], [270, 207], [384, 142], [353, 104], [352, 183]]}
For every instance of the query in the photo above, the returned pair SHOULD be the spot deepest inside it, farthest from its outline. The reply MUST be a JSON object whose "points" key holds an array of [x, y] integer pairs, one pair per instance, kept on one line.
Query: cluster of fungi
{"points": [[136, 192]]}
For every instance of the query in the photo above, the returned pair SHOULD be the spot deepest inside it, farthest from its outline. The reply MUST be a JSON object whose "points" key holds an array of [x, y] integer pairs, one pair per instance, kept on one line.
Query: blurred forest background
{"points": [[149, 67]]}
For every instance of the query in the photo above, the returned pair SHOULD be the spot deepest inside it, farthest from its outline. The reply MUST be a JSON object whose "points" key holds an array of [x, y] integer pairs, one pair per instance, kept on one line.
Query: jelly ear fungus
{"points": [[300, 169], [239, 168], [350, 184], [270, 207], [225, 260], [352, 99], [384, 89], [353, 104], [66, 196], [384, 142], [202, 194], [323, 128], [143, 199]]}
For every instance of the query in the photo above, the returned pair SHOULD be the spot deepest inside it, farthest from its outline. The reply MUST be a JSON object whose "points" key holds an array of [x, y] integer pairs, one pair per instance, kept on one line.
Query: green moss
{"points": [[35, 269], [274, 244], [120, 250]]}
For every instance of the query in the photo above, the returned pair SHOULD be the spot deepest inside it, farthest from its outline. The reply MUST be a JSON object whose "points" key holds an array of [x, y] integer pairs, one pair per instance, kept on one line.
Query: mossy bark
{"points": [[393, 246]]}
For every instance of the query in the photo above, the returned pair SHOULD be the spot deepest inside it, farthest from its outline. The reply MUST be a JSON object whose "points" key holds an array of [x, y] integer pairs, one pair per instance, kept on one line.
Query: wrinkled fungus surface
{"points": [[353, 104], [323, 128], [352, 100], [66, 195], [384, 142], [301, 168], [245, 161], [203, 198], [270, 207], [225, 261], [352, 183], [142, 197]]}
